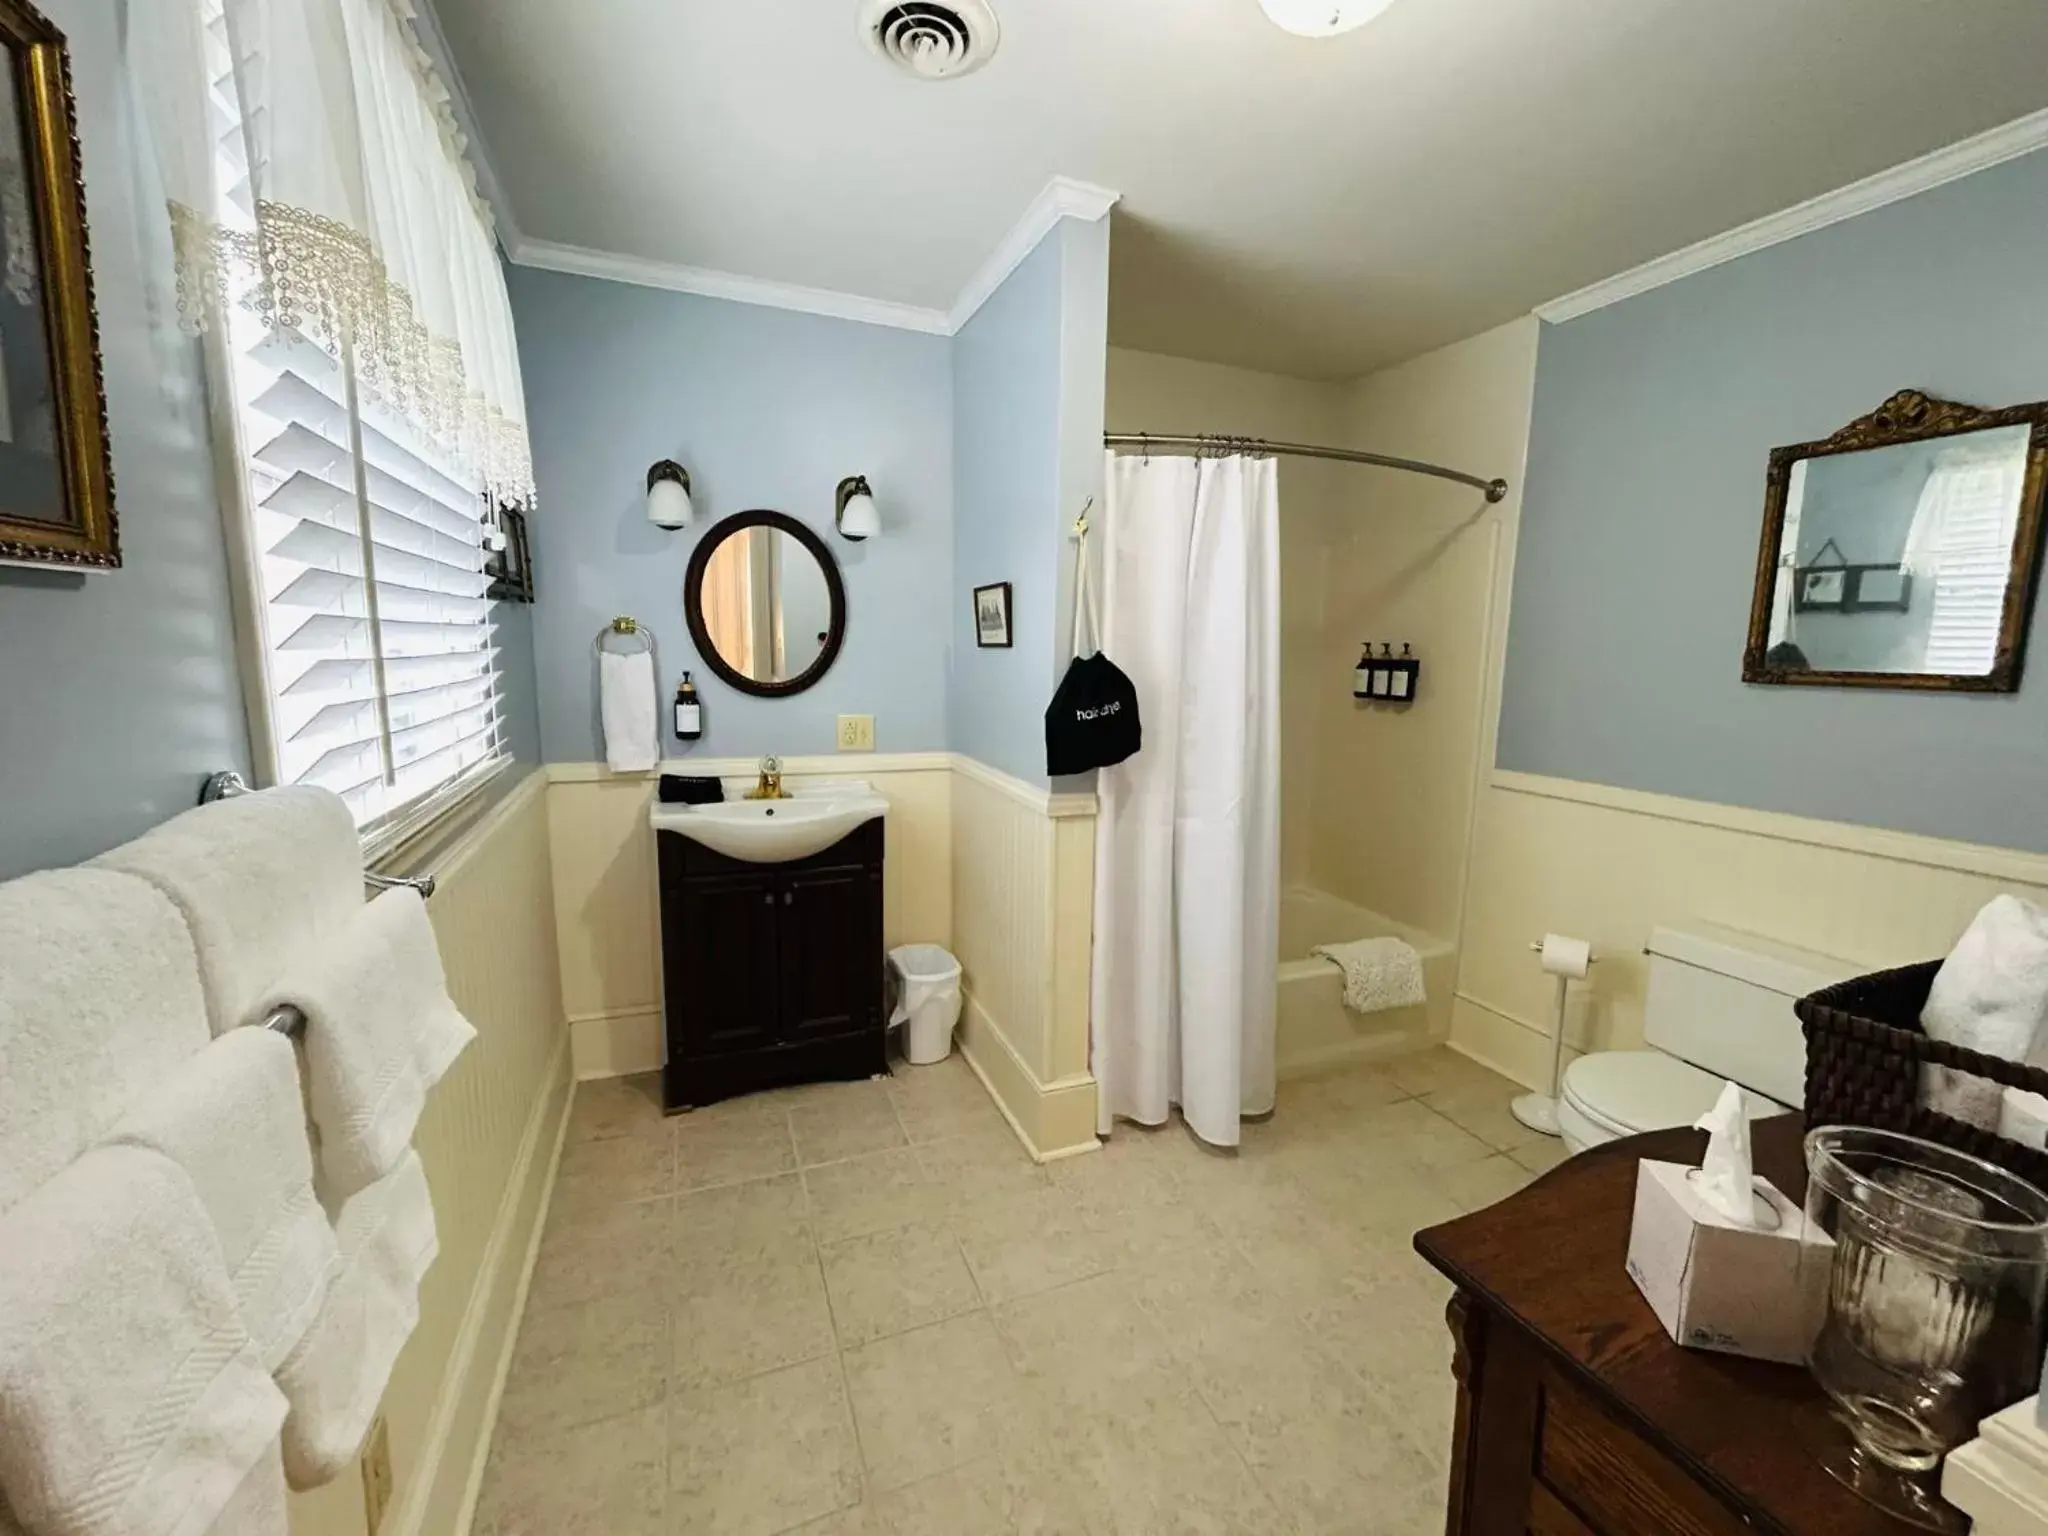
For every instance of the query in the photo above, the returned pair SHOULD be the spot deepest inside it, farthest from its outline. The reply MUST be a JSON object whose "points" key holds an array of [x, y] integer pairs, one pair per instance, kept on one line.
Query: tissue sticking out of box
{"points": [[1726, 1178]]}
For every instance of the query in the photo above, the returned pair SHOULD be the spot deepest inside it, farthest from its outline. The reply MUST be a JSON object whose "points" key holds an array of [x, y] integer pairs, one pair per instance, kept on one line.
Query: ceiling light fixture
{"points": [[1322, 18]]}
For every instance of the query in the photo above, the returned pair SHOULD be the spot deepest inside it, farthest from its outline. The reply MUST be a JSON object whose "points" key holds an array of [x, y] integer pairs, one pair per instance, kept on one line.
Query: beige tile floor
{"points": [[860, 1309]]}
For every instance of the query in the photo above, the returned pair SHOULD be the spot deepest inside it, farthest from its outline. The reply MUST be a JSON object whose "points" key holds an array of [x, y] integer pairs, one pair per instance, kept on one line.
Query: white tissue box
{"points": [[1715, 1285]]}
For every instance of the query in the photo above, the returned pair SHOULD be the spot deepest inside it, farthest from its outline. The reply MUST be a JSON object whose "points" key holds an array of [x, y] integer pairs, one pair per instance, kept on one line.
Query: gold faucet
{"points": [[769, 785]]}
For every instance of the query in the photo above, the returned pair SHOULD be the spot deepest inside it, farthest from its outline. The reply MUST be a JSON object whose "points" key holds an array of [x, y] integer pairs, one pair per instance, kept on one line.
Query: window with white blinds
{"points": [[368, 548], [1977, 498]]}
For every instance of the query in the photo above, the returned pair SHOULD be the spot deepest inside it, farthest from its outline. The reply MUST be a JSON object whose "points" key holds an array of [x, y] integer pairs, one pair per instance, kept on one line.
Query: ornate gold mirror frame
{"points": [[82, 532], [1909, 417]]}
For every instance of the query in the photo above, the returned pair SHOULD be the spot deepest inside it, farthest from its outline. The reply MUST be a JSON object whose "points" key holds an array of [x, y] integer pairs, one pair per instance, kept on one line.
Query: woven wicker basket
{"points": [[1864, 1052]]}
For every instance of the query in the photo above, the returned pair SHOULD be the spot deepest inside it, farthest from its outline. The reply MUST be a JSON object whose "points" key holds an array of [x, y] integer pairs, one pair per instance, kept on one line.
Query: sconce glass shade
{"points": [[1322, 18], [668, 495], [857, 518]]}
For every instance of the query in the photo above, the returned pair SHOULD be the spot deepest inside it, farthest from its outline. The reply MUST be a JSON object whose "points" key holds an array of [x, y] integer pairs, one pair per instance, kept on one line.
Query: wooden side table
{"points": [[1576, 1412]]}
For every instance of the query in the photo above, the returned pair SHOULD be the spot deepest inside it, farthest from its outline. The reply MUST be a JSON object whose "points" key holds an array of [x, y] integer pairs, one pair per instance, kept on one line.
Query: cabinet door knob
{"points": [[768, 900], [789, 898]]}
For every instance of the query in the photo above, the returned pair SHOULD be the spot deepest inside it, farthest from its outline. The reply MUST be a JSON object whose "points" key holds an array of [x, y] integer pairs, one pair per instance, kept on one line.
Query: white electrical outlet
{"points": [[856, 733]]}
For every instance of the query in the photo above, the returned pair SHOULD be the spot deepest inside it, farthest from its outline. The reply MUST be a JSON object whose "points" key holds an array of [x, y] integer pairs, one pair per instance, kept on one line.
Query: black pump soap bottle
{"points": [[689, 711], [1361, 680], [1407, 675]]}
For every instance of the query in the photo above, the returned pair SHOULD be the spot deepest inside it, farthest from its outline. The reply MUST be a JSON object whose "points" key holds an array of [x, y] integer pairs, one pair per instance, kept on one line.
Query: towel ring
{"points": [[624, 624]]}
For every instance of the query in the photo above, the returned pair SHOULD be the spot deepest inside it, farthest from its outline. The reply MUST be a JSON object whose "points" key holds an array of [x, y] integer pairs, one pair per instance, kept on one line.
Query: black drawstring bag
{"points": [[1092, 721]]}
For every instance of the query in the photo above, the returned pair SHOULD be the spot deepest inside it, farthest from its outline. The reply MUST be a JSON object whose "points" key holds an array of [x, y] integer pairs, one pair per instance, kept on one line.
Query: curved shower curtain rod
{"points": [[1495, 489]]}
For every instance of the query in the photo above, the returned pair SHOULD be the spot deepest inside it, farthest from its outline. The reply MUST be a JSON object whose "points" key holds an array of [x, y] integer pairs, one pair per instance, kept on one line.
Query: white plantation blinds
{"points": [[1961, 540], [328, 234]]}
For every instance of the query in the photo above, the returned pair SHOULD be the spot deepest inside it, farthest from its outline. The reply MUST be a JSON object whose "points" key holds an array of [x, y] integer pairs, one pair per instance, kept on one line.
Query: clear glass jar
{"points": [[1937, 1266]]}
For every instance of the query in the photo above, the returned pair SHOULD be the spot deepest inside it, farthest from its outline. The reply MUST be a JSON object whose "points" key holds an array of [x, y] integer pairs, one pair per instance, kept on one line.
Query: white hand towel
{"points": [[625, 686], [380, 1031], [232, 1117], [1991, 995], [336, 1377], [132, 1401], [1378, 973], [99, 1002], [256, 877]]}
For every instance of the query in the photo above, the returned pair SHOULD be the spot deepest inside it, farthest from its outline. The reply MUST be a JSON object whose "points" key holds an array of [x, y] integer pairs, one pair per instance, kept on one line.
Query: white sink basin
{"points": [[776, 831]]}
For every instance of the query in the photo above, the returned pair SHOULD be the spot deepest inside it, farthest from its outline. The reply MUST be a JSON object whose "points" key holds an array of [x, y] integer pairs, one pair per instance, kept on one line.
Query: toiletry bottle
{"points": [[1383, 673], [1407, 669], [1361, 680], [689, 712]]}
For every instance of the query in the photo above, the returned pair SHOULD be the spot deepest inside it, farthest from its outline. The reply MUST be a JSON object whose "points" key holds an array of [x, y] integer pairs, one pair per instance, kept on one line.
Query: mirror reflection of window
{"points": [[729, 600], [30, 482], [1896, 559], [767, 607]]}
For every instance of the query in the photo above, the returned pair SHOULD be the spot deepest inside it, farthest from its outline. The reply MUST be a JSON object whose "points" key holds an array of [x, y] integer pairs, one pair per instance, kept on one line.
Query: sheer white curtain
{"points": [[1187, 862], [351, 200]]}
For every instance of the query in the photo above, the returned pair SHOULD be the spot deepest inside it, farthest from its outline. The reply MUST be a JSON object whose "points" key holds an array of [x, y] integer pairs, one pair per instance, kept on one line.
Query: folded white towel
{"points": [[1378, 973], [336, 1377], [99, 1002], [232, 1117], [380, 1031], [132, 1400], [256, 877], [1991, 995], [625, 686]]}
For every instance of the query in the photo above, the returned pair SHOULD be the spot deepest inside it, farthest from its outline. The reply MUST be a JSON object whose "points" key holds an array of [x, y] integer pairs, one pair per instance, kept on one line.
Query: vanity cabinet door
{"points": [[831, 952], [719, 963]]}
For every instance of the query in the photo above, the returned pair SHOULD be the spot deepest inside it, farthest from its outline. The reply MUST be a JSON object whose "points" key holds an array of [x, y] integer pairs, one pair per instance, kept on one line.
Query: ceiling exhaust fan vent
{"points": [[931, 39]]}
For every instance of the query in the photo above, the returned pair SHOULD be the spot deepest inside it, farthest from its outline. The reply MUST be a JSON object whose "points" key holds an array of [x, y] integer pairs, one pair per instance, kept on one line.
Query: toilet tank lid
{"points": [[1750, 957]]}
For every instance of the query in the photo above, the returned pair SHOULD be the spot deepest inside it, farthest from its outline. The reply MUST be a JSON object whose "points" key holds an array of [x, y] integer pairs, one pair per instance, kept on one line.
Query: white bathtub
{"points": [[1315, 1030]]}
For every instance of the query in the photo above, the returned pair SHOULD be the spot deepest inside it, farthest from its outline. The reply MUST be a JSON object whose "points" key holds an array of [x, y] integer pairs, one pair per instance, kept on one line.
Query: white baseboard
{"points": [[493, 1304], [618, 1044], [1053, 1120]]}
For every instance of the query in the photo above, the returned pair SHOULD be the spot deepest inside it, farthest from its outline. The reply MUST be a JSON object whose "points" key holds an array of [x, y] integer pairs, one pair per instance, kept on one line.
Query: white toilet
{"points": [[1720, 1009]]}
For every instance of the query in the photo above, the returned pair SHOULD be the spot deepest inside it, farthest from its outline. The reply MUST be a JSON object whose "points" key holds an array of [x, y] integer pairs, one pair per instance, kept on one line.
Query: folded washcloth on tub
{"points": [[256, 877], [132, 1399], [1378, 973], [380, 1031], [1990, 995], [233, 1118]]}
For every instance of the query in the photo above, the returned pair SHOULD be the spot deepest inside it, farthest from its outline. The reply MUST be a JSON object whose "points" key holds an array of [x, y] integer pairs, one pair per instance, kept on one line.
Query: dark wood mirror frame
{"points": [[693, 603], [1910, 417], [88, 536]]}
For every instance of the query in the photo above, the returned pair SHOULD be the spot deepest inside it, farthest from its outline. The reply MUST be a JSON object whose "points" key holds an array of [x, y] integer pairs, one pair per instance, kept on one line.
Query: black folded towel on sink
{"points": [[681, 789]]}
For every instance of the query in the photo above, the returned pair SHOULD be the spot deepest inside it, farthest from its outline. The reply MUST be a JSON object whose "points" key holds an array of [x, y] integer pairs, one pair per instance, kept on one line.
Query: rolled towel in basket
{"points": [[1990, 996], [1378, 973]]}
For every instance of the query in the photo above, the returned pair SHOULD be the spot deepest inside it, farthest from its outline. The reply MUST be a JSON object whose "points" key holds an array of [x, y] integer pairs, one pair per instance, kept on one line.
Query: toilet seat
{"points": [[1623, 1093]]}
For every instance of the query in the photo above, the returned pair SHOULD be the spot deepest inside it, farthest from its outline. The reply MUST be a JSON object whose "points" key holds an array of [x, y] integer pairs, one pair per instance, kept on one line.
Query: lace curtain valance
{"points": [[339, 206]]}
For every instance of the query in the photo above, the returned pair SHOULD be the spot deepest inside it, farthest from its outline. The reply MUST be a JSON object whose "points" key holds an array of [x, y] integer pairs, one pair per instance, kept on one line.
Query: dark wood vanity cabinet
{"points": [[771, 973]]}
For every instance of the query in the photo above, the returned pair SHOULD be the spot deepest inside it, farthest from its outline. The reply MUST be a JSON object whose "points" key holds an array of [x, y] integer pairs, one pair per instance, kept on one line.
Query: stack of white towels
{"points": [[211, 1240], [1991, 995]]}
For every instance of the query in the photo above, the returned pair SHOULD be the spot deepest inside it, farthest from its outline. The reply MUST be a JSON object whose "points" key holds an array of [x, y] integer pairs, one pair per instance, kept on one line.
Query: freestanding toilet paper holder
{"points": [[1538, 1111]]}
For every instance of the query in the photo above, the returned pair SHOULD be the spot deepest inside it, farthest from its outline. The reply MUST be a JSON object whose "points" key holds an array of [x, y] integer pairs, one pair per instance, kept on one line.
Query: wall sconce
{"points": [[668, 495], [855, 516]]}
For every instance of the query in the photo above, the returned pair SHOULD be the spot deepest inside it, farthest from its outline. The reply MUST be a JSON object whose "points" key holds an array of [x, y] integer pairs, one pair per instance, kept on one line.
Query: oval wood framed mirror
{"points": [[765, 604]]}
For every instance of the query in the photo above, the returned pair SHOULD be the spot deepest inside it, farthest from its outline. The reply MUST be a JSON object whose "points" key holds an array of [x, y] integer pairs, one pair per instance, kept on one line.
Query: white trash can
{"points": [[927, 1001]]}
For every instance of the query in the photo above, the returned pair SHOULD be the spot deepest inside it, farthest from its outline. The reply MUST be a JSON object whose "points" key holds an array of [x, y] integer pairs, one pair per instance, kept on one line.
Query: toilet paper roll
{"points": [[1567, 957], [2023, 1117]]}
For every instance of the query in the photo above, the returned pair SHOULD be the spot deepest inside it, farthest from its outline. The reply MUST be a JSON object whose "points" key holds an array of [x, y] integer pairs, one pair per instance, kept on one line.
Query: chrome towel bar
{"points": [[227, 784]]}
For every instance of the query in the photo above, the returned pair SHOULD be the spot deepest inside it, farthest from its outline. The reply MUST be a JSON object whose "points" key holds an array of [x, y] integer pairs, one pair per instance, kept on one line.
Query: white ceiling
{"points": [[1309, 207]]}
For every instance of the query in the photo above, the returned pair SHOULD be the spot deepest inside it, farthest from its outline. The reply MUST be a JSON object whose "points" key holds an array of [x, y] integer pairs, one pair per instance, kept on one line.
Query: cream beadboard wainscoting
{"points": [[1023, 911], [998, 871], [489, 1139], [1610, 864], [605, 913]]}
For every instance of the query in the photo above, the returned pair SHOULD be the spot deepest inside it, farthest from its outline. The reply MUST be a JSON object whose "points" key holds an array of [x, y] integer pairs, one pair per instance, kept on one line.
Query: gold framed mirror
{"points": [[56, 476], [1903, 551]]}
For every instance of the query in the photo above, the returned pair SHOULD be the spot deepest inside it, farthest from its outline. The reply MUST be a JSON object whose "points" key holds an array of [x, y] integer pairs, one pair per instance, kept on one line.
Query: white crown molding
{"points": [[1063, 198], [703, 281], [1994, 147]]}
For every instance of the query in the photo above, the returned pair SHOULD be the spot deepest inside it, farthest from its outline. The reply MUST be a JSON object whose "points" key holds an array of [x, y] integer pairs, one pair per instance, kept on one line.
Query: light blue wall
{"points": [[765, 408], [120, 692], [1006, 468], [1653, 421], [1028, 385]]}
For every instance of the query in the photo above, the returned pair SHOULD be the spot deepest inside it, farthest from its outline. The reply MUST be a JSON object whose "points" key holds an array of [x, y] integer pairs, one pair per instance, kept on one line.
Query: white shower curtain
{"points": [[1187, 852]]}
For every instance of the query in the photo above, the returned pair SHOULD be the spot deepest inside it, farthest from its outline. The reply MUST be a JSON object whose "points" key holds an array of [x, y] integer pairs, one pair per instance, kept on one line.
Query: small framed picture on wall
{"points": [[992, 616]]}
